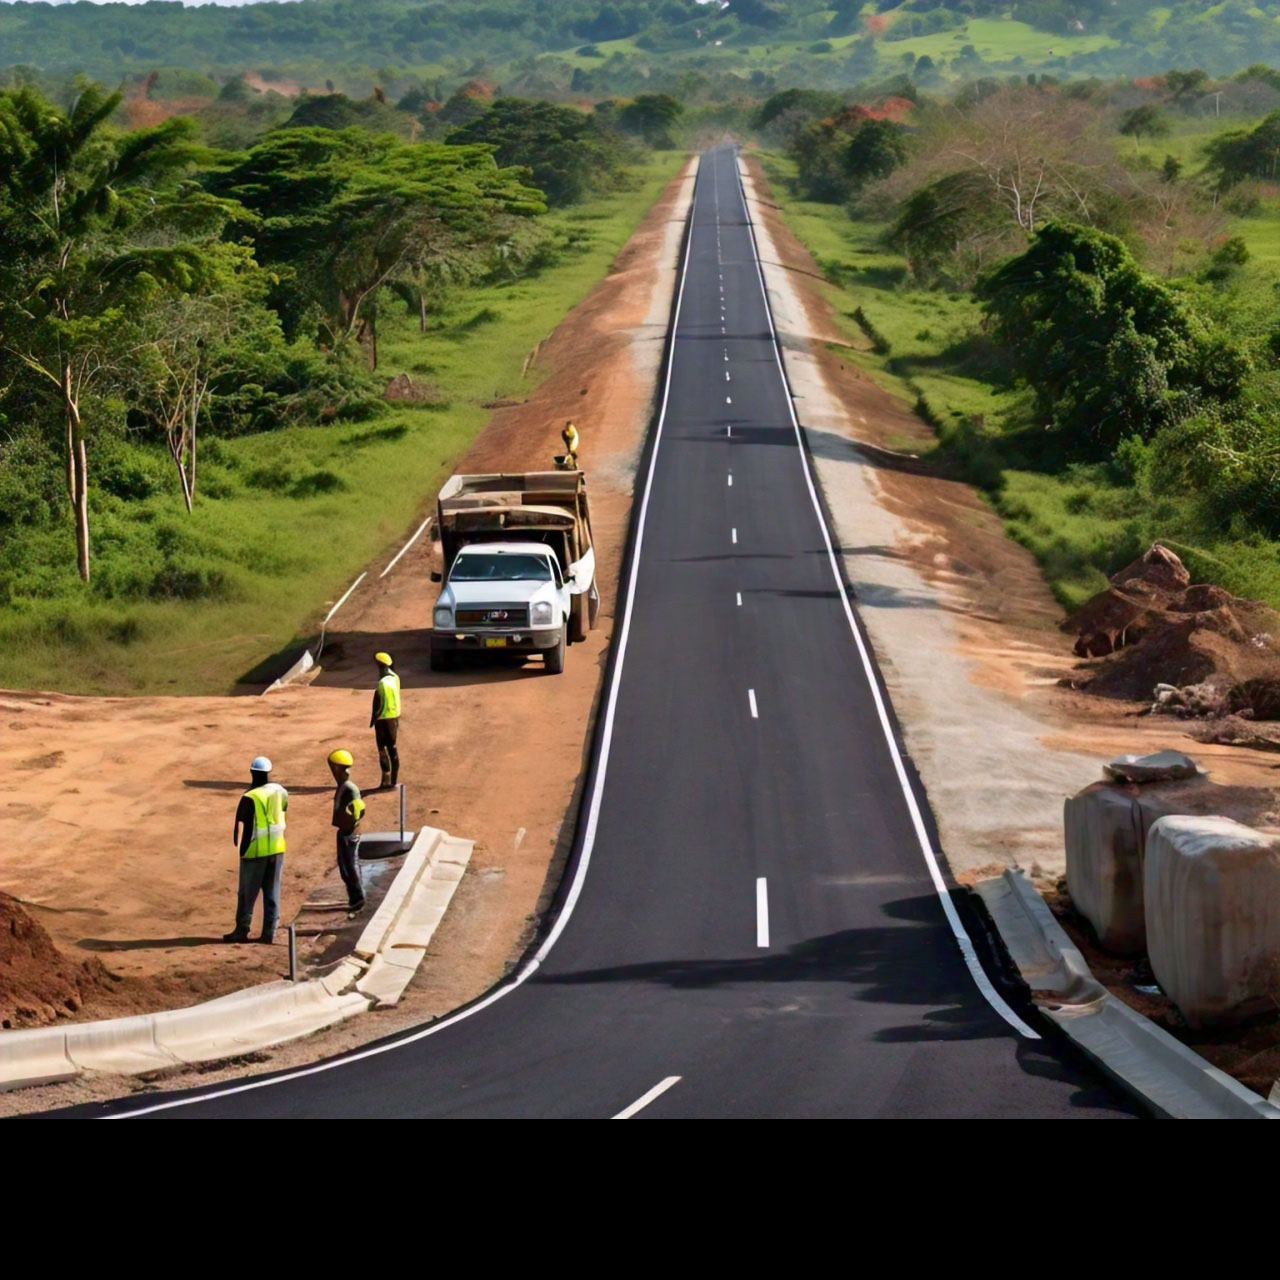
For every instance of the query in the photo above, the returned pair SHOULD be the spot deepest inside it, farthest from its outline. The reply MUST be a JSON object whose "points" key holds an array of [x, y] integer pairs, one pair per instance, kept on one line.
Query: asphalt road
{"points": [[750, 920]]}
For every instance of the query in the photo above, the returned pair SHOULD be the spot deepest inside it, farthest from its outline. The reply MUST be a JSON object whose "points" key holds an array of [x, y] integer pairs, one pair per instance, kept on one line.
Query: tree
{"points": [[567, 152], [1108, 351], [1185, 84], [1254, 153], [1146, 121], [653, 116], [341, 214], [92, 228]]}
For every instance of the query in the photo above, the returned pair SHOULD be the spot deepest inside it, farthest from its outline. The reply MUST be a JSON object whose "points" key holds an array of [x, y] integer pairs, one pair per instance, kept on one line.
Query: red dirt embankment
{"points": [[40, 984]]}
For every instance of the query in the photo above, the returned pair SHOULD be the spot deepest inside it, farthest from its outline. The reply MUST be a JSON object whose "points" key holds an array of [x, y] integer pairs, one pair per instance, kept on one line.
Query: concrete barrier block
{"points": [[38, 1056], [1103, 831], [126, 1046], [416, 862], [1212, 890]]}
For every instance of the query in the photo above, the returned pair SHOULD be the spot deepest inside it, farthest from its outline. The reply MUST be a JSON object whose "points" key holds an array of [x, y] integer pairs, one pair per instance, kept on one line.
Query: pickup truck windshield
{"points": [[500, 568]]}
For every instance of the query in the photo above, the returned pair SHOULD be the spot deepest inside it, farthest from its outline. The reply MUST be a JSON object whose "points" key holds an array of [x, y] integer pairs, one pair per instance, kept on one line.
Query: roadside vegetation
{"points": [[1077, 286], [210, 359]]}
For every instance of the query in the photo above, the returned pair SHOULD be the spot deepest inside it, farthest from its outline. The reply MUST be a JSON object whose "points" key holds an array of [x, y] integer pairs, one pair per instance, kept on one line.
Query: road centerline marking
{"points": [[730, 479], [751, 698], [762, 912], [733, 535], [646, 1098], [739, 595]]}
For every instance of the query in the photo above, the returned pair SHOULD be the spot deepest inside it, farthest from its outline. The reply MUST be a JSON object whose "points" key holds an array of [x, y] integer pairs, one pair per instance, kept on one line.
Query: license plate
{"points": [[495, 642]]}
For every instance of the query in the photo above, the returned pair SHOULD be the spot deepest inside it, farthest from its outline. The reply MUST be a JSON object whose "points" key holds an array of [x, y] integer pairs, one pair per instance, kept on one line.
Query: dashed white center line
{"points": [[727, 378], [733, 535], [751, 698], [762, 912], [730, 479], [739, 594], [729, 430], [728, 399], [645, 1098]]}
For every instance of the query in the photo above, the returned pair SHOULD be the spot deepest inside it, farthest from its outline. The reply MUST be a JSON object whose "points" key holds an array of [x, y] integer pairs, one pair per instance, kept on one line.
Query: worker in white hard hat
{"points": [[348, 809], [259, 832], [384, 719]]}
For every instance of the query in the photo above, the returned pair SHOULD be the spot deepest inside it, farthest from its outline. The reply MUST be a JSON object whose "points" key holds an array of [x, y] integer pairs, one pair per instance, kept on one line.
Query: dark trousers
{"points": [[260, 875], [349, 868], [385, 733]]}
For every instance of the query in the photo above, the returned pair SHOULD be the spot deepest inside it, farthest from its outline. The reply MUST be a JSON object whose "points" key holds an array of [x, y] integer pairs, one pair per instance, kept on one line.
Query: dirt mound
{"points": [[38, 984], [1152, 631]]}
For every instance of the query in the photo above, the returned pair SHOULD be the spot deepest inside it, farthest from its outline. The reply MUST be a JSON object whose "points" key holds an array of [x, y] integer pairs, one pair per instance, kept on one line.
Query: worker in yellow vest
{"points": [[385, 719], [259, 831], [348, 809], [570, 437]]}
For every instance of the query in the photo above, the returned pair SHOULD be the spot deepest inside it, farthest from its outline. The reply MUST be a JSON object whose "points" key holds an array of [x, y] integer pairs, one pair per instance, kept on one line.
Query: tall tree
{"points": [[92, 226]]}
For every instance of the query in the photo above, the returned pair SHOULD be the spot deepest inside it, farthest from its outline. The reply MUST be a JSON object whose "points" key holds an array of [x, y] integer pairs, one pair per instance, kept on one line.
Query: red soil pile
{"points": [[38, 984], [1152, 626]]}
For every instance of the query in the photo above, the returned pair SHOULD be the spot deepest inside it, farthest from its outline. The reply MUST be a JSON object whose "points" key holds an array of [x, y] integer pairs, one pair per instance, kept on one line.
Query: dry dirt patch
{"points": [[133, 799]]}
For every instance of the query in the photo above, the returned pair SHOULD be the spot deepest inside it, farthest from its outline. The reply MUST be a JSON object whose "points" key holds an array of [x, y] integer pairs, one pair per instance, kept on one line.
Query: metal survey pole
{"points": [[401, 785], [293, 953]]}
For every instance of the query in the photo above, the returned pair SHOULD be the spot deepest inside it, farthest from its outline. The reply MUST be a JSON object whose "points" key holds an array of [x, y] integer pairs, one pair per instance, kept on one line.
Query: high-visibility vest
{"points": [[390, 686], [267, 838]]}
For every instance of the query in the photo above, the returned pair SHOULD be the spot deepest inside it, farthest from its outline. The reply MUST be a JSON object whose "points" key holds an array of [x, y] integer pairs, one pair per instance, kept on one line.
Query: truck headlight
{"points": [[443, 617], [540, 614]]}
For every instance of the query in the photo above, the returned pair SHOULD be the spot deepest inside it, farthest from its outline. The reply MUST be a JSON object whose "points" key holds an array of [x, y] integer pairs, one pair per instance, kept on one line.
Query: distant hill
{"points": [[595, 48]]}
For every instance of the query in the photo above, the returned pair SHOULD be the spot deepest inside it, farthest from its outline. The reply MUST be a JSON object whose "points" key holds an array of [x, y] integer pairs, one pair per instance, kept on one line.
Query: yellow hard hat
{"points": [[341, 756], [384, 658]]}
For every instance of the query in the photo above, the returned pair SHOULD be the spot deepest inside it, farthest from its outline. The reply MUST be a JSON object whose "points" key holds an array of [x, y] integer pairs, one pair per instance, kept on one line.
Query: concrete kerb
{"points": [[260, 1016], [1162, 1073]]}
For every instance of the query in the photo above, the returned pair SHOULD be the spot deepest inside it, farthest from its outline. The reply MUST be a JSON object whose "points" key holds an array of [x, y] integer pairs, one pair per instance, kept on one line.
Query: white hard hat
{"points": [[260, 765]]}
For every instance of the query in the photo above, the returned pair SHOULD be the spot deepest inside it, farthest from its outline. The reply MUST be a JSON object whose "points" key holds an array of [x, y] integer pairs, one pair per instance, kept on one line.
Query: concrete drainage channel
{"points": [[374, 976]]}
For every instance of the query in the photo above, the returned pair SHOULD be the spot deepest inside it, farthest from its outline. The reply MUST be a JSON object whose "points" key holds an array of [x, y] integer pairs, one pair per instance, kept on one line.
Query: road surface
{"points": [[751, 925]]}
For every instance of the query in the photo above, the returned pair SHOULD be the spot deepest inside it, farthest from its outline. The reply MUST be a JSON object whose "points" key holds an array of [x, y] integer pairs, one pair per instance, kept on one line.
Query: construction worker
{"points": [[385, 720], [348, 809], [570, 437], [259, 831]]}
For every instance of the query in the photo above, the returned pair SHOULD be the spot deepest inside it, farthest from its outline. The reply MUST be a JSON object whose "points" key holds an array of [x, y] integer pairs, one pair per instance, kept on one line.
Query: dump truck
{"points": [[518, 566]]}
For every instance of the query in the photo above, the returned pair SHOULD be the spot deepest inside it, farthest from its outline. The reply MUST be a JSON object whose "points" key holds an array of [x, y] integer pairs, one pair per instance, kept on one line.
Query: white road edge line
{"points": [[751, 698], [345, 594], [645, 1098], [405, 548], [762, 912], [963, 941], [593, 809]]}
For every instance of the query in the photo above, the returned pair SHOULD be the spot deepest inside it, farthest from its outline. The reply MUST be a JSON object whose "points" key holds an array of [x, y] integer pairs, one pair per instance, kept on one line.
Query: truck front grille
{"points": [[494, 615]]}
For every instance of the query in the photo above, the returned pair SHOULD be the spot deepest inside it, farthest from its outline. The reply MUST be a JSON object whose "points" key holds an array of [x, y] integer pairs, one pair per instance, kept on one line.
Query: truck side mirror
{"points": [[436, 575]]}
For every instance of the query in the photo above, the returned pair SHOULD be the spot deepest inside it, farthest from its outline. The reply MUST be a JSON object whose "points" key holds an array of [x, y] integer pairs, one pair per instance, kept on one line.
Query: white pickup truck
{"points": [[518, 566], [503, 596]]}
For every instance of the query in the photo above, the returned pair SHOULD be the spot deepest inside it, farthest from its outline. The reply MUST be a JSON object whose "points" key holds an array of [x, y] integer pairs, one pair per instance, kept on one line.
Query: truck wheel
{"points": [[554, 658], [441, 660], [579, 621]]}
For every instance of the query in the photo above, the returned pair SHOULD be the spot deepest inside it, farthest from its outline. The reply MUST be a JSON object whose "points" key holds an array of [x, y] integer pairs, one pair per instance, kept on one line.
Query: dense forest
{"points": [[608, 47]]}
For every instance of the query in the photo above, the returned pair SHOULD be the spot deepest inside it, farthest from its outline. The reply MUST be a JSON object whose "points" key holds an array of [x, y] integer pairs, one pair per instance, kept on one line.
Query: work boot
{"points": [[236, 935], [353, 907], [268, 938]]}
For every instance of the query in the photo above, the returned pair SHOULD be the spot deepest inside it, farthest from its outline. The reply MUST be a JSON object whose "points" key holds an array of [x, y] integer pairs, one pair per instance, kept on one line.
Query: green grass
{"points": [[1082, 523], [285, 520]]}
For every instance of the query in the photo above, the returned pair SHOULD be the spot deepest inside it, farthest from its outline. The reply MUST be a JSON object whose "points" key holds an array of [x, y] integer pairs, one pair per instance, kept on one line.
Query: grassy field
{"points": [[285, 520], [1081, 524]]}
